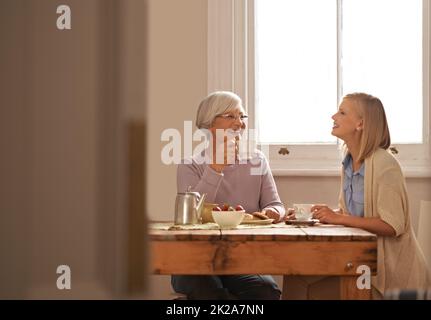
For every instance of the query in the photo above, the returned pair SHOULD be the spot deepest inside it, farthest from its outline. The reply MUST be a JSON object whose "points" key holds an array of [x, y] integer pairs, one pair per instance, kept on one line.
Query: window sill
{"points": [[409, 172]]}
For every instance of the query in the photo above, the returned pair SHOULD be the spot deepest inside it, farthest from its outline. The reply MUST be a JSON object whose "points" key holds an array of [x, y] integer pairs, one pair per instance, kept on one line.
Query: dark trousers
{"points": [[229, 287]]}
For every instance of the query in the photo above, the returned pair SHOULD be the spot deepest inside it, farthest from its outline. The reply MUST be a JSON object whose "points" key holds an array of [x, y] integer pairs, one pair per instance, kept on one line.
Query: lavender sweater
{"points": [[236, 185]]}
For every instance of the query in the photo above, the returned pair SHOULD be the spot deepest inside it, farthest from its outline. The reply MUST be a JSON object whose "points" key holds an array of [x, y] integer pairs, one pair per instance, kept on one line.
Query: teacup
{"points": [[303, 211]]}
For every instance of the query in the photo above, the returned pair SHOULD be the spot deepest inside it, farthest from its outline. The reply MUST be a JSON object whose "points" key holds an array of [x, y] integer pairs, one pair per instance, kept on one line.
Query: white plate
{"points": [[256, 221]]}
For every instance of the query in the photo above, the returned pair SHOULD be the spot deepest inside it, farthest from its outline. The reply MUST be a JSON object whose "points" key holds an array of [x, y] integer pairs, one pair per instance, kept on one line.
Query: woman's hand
{"points": [[290, 214], [325, 214], [271, 214], [225, 149], [337, 216]]}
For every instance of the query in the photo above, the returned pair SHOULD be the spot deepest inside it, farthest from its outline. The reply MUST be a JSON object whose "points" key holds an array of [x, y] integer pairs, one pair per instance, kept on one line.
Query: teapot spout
{"points": [[200, 205]]}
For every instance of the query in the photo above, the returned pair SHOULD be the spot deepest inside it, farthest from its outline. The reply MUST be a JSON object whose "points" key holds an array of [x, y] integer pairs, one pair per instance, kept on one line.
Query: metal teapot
{"points": [[188, 207]]}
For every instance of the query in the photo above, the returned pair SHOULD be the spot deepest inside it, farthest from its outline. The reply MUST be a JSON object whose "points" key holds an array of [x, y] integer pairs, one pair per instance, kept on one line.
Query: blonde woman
{"points": [[373, 195]]}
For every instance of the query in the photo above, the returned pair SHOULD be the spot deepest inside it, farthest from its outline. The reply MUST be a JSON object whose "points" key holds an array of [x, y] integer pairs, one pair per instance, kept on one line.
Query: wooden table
{"points": [[319, 250]]}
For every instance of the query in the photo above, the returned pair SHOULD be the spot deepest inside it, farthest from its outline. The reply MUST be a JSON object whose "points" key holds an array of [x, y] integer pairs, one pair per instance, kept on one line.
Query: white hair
{"points": [[214, 105]]}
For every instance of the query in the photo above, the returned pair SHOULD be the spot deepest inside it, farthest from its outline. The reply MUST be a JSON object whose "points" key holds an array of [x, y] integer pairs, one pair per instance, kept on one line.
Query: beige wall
{"points": [[177, 59], [66, 101], [177, 81], [56, 186]]}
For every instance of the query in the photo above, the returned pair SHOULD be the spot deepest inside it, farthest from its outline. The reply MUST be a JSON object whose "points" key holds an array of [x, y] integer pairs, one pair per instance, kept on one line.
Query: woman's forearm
{"points": [[373, 225]]}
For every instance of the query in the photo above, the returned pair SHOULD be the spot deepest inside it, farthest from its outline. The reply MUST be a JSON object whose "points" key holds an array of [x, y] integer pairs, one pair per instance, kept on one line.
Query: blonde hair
{"points": [[375, 133], [214, 105]]}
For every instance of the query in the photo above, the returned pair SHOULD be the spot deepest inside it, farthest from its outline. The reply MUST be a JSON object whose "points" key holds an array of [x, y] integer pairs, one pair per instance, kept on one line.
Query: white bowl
{"points": [[228, 219]]}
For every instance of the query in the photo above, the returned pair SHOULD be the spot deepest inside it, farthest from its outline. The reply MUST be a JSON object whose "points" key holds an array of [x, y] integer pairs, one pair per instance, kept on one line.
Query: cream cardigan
{"points": [[400, 261]]}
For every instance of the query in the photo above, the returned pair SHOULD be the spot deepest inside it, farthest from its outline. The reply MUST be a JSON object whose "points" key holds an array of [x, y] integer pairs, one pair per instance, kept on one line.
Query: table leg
{"points": [[350, 291]]}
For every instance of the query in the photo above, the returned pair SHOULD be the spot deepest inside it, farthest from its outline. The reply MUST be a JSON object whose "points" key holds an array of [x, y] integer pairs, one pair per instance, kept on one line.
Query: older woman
{"points": [[232, 182], [373, 195]]}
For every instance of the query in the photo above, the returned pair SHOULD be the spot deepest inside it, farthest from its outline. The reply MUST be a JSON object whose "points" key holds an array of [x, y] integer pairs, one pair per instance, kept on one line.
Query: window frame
{"points": [[231, 67]]}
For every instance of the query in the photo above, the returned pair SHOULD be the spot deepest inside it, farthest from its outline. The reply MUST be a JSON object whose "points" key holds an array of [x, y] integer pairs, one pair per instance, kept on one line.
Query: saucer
{"points": [[310, 222]]}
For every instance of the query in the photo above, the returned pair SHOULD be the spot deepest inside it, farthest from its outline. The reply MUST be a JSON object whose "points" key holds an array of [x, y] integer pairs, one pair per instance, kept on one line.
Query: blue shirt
{"points": [[353, 187]]}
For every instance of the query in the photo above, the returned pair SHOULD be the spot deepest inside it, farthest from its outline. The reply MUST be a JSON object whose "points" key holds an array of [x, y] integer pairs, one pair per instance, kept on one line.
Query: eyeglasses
{"points": [[231, 117]]}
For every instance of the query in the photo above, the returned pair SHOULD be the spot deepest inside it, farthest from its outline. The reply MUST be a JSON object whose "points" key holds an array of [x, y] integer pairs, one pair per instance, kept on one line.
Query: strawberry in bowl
{"points": [[228, 217]]}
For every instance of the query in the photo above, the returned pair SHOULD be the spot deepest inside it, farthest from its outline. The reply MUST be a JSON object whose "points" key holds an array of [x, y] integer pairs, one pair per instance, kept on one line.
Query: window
{"points": [[293, 60], [296, 70]]}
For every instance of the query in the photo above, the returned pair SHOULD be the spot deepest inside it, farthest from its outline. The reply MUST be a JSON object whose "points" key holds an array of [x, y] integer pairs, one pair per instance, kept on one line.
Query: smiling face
{"points": [[348, 124], [227, 129], [232, 119]]}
